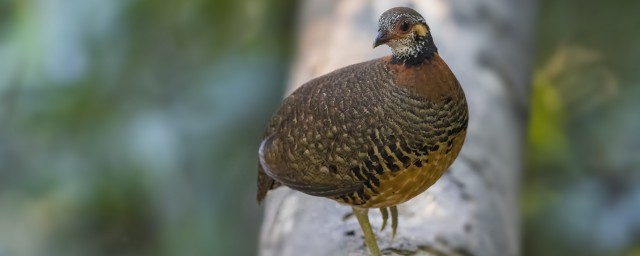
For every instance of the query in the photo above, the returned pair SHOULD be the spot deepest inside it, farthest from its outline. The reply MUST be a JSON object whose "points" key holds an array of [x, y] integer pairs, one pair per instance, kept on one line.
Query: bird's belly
{"points": [[398, 187]]}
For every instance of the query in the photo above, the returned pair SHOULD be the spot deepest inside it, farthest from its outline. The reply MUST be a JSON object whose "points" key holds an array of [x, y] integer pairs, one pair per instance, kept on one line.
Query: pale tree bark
{"points": [[473, 209]]}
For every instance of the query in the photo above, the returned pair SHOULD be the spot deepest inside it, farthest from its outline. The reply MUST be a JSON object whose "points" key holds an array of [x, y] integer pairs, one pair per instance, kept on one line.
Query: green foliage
{"points": [[547, 141], [580, 191], [131, 127]]}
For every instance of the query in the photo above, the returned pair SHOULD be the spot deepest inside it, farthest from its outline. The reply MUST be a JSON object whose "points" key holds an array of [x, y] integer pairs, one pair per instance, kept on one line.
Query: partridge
{"points": [[373, 134]]}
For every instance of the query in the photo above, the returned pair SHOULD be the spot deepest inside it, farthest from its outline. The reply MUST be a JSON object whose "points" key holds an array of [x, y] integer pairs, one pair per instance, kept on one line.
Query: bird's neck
{"points": [[417, 52]]}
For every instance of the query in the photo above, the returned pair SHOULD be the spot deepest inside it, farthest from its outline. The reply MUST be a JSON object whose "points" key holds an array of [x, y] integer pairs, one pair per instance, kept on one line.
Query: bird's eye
{"points": [[404, 26]]}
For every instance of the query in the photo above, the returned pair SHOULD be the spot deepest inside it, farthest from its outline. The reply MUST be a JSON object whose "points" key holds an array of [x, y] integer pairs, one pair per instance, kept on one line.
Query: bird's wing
{"points": [[316, 121], [319, 185]]}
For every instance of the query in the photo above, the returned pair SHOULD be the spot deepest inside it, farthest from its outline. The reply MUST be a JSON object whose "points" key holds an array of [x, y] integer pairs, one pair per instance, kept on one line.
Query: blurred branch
{"points": [[472, 210]]}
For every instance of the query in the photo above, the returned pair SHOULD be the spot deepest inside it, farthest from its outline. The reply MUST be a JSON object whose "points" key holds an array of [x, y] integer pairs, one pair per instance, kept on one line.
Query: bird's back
{"points": [[373, 134]]}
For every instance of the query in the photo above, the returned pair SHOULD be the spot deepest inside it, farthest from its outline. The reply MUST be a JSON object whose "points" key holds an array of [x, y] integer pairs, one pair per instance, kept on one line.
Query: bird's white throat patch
{"points": [[407, 48]]}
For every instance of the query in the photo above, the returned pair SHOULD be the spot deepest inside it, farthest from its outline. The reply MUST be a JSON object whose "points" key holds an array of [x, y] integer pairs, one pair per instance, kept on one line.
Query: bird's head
{"points": [[407, 33]]}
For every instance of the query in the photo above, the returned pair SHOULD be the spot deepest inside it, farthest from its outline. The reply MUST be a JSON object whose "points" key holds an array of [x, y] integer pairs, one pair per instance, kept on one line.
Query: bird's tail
{"points": [[265, 183]]}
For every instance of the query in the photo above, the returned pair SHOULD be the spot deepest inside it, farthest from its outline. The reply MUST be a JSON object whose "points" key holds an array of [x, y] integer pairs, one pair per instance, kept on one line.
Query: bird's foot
{"points": [[369, 237], [385, 216], [394, 219]]}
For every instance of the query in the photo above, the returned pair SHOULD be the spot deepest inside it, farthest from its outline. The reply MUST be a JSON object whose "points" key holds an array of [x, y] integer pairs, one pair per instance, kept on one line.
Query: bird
{"points": [[373, 134]]}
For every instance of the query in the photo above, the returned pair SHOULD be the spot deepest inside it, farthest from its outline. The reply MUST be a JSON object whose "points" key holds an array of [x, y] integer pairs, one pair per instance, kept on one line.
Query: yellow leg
{"points": [[394, 221], [369, 238], [385, 216]]}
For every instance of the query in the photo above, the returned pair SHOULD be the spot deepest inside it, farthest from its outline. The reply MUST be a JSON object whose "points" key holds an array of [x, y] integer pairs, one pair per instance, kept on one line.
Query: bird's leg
{"points": [[394, 221], [370, 239], [385, 216]]}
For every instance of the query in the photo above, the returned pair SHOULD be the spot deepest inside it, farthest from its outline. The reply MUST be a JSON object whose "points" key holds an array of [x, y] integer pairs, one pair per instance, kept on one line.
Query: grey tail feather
{"points": [[265, 183]]}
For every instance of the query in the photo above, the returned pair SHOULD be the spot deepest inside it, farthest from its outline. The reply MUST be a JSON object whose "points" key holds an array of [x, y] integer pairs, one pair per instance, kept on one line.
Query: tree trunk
{"points": [[473, 208]]}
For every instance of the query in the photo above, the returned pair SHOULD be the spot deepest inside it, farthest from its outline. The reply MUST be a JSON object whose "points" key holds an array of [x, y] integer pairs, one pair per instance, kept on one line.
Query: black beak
{"points": [[382, 38]]}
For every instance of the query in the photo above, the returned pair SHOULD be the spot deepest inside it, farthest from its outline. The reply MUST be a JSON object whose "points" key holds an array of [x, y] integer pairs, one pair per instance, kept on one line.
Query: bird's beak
{"points": [[382, 38]]}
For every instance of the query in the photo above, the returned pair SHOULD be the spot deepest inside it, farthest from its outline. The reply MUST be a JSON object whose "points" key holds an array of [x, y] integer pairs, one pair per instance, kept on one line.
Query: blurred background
{"points": [[131, 127], [581, 187]]}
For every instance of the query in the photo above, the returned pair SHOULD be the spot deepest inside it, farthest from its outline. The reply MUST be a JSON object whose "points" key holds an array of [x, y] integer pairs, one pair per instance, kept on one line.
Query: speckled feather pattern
{"points": [[389, 18], [373, 134], [411, 47]]}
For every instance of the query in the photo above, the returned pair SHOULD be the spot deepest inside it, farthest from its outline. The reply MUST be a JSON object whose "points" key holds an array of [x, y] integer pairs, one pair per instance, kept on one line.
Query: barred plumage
{"points": [[373, 134]]}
